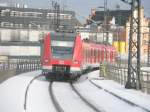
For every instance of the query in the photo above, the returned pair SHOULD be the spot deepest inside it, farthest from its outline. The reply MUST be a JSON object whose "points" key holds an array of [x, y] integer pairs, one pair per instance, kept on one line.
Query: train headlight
{"points": [[75, 62], [46, 60]]}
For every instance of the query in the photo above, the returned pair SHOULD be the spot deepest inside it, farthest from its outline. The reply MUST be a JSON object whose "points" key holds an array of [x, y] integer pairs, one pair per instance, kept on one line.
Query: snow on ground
{"points": [[12, 94], [104, 101], [132, 95], [39, 99], [69, 99]]}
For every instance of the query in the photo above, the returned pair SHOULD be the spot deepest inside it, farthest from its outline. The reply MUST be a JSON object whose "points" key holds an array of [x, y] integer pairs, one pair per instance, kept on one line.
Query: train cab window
{"points": [[63, 52], [62, 46]]}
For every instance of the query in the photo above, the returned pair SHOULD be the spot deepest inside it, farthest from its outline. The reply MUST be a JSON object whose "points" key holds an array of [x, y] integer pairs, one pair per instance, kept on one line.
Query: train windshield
{"points": [[62, 46]]}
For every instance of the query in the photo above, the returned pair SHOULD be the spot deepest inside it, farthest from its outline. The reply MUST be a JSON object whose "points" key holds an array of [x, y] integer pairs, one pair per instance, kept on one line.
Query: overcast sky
{"points": [[81, 7]]}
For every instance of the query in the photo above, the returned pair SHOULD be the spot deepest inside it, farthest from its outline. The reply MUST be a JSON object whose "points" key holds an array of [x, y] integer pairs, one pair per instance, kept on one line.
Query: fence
{"points": [[119, 74], [15, 66]]}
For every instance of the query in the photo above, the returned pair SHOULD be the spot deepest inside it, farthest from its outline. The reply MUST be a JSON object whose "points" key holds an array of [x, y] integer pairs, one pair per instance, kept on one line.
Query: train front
{"points": [[61, 55]]}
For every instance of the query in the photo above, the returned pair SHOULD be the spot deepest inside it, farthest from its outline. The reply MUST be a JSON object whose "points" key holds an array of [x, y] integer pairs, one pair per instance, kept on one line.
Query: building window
{"points": [[18, 25], [62, 16], [15, 13], [145, 42], [6, 24], [31, 14], [5, 12], [145, 51], [51, 15], [65, 16]]}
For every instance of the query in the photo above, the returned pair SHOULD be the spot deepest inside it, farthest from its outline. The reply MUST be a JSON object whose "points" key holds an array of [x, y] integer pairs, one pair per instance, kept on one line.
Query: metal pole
{"points": [[148, 55], [105, 22], [133, 80], [128, 84], [139, 45]]}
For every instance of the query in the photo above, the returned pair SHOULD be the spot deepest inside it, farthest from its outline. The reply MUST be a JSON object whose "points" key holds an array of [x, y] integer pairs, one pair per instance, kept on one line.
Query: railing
{"points": [[119, 74], [21, 65], [13, 67]]}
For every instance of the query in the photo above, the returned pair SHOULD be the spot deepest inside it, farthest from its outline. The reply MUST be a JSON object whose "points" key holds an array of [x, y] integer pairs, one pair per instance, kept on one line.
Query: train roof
{"points": [[97, 45], [63, 36]]}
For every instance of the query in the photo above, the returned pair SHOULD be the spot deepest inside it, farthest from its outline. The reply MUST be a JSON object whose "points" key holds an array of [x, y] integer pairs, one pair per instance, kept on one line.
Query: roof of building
{"points": [[42, 17], [121, 16]]}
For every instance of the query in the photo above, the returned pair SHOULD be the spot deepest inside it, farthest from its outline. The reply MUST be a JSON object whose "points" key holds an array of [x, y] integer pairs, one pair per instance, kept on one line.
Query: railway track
{"points": [[27, 89], [84, 99], [54, 100], [59, 108], [121, 98]]}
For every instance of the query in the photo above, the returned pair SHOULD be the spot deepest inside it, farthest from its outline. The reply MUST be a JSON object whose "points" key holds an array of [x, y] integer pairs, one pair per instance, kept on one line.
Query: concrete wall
{"points": [[4, 75], [21, 34], [20, 50], [5, 35]]}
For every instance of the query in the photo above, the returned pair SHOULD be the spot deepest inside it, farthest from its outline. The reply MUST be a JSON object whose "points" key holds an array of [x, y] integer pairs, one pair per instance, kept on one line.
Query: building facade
{"points": [[145, 33], [22, 28], [118, 23]]}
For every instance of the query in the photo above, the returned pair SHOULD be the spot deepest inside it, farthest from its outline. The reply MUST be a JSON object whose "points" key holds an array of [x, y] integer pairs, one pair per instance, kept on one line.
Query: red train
{"points": [[66, 55]]}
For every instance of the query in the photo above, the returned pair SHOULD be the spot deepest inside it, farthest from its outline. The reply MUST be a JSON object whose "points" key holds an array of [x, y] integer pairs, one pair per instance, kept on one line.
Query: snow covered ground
{"points": [[12, 94]]}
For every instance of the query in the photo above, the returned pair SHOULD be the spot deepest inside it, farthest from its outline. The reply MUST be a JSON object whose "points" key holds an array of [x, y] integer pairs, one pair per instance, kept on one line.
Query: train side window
{"points": [[91, 53], [95, 53], [83, 51], [88, 55], [99, 53], [108, 55], [85, 54], [105, 56]]}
